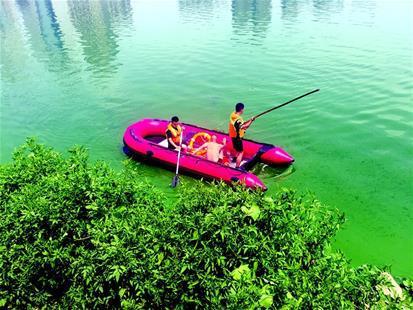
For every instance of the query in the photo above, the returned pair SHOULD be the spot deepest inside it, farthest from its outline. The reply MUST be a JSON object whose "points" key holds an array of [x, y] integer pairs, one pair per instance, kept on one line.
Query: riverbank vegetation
{"points": [[79, 234]]}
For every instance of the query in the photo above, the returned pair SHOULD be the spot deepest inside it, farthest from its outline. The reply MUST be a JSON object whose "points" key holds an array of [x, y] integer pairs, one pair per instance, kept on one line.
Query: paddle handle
{"points": [[285, 103], [179, 152]]}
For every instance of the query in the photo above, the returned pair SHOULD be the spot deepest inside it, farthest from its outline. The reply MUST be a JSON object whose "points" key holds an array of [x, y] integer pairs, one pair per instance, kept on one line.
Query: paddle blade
{"points": [[175, 181]]}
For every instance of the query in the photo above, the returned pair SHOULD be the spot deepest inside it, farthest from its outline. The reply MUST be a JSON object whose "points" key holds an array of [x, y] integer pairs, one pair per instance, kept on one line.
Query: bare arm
{"points": [[203, 146], [223, 144], [247, 123]]}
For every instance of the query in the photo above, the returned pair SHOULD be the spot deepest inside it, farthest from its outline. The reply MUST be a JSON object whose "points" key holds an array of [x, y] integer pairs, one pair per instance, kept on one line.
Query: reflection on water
{"points": [[322, 9], [251, 17], [328, 6], [196, 10], [289, 9], [12, 43], [97, 22], [44, 32], [362, 10], [34, 25]]}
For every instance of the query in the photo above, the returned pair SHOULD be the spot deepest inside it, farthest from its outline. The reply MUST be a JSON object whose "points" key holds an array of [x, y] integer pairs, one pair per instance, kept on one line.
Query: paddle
{"points": [[285, 103], [175, 180]]}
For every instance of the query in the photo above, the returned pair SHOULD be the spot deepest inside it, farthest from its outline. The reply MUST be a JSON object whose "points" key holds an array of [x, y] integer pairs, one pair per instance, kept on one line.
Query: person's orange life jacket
{"points": [[231, 126], [176, 133]]}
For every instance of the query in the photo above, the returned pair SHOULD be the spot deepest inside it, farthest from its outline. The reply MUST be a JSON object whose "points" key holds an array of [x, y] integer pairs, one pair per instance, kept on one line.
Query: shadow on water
{"points": [[98, 24], [270, 172], [45, 35], [251, 18]]}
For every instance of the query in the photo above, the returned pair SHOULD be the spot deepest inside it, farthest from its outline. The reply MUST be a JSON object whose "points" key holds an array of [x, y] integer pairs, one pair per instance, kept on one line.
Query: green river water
{"points": [[79, 72]]}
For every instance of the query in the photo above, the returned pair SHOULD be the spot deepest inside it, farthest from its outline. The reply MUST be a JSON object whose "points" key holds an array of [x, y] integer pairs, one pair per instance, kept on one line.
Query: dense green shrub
{"points": [[75, 234]]}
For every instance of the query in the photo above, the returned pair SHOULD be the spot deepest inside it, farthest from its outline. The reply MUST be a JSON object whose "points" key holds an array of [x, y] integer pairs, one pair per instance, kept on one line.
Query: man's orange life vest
{"points": [[176, 133], [231, 126]]}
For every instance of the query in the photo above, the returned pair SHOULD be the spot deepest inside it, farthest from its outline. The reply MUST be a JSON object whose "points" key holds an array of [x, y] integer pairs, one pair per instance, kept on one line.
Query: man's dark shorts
{"points": [[237, 144]]}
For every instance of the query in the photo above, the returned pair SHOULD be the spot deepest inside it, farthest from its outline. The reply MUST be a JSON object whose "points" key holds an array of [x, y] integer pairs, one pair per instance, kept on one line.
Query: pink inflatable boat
{"points": [[145, 139]]}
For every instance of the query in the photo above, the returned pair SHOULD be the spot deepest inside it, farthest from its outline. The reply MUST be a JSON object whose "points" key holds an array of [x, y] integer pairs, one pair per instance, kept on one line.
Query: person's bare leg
{"points": [[239, 159]]}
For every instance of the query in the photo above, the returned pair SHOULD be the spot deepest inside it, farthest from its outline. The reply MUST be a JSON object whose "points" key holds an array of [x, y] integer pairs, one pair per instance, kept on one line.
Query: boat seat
{"points": [[232, 165], [163, 143]]}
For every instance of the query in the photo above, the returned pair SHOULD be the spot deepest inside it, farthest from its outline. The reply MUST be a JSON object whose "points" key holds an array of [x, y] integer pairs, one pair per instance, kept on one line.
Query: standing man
{"points": [[237, 129], [173, 134]]}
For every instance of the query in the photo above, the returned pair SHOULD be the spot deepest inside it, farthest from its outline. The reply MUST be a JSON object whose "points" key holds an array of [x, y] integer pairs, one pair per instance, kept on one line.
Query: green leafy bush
{"points": [[76, 234]]}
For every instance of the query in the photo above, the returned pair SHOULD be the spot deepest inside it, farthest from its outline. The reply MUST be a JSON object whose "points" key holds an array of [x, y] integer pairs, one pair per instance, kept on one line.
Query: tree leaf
{"points": [[254, 211], [238, 272], [122, 292], [266, 300]]}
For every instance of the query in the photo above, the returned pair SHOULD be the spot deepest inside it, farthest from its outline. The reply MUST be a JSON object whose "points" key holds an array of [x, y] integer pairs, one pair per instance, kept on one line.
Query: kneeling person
{"points": [[173, 134], [214, 149]]}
